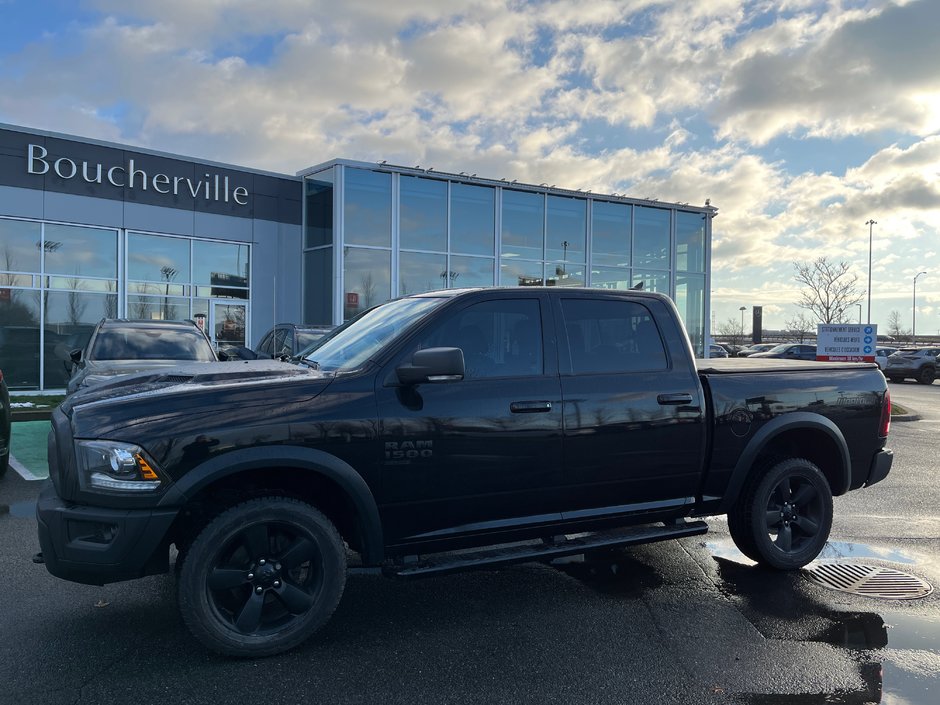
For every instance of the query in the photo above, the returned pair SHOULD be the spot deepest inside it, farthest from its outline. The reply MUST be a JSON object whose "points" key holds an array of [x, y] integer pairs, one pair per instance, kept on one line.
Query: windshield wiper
{"points": [[312, 364]]}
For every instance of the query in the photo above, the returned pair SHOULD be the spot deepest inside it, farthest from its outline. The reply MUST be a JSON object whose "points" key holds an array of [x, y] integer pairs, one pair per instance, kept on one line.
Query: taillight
{"points": [[885, 424]]}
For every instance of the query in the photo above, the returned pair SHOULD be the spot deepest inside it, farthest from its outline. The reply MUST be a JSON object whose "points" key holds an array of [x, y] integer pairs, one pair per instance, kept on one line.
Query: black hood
{"points": [[187, 376]]}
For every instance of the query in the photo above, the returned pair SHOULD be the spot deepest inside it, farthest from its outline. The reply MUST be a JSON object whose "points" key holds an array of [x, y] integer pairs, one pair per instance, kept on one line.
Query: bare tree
{"points": [[895, 329], [829, 289], [76, 303], [799, 327], [731, 331], [367, 284]]}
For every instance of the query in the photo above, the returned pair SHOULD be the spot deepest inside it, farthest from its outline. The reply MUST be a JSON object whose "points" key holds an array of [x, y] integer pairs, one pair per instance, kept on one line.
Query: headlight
{"points": [[116, 467]]}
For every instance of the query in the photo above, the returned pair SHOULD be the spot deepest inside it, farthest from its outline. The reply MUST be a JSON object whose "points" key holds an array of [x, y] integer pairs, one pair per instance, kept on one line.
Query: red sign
{"points": [[352, 299]]}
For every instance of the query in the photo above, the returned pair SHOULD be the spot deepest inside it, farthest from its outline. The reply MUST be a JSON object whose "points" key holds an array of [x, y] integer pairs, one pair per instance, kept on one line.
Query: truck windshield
{"points": [[352, 345]]}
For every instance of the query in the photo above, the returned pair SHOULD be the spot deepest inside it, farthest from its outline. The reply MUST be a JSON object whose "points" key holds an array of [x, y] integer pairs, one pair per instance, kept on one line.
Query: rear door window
{"points": [[609, 336]]}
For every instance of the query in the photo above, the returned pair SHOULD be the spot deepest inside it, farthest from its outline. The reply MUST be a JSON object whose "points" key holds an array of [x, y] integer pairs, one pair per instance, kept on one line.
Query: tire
{"points": [[784, 514], [296, 561], [741, 538], [926, 375]]}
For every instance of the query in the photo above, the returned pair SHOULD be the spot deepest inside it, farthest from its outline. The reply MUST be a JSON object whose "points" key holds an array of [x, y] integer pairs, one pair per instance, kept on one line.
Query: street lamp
{"points": [[870, 223], [914, 312], [860, 313], [742, 310]]}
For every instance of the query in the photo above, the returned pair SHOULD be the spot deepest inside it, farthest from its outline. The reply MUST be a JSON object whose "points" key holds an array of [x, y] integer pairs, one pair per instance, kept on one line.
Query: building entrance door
{"points": [[225, 322]]}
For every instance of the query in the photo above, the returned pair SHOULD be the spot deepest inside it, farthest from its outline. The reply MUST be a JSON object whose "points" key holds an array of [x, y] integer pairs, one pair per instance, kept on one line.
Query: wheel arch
{"points": [[312, 475], [799, 434]]}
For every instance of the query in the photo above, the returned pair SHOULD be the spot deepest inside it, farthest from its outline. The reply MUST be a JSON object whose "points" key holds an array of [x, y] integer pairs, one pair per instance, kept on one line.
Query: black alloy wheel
{"points": [[926, 375], [262, 577], [784, 515]]}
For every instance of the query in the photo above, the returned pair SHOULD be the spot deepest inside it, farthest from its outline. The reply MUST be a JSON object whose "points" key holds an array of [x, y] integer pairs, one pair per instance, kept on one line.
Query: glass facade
{"points": [[58, 280], [402, 233]]}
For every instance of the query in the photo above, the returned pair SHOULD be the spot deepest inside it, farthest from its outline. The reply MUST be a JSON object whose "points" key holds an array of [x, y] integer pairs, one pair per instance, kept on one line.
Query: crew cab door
{"points": [[633, 406], [458, 454]]}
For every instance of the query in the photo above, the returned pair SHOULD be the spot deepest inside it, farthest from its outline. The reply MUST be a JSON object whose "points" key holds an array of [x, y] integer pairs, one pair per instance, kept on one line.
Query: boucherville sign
{"points": [[214, 187]]}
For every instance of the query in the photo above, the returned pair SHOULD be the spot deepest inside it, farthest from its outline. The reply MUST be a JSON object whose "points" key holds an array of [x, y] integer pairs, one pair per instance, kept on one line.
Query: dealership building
{"points": [[92, 230]]}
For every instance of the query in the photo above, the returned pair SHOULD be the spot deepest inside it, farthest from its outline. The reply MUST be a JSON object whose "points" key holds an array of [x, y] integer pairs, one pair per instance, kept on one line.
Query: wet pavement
{"points": [[689, 621], [896, 644]]}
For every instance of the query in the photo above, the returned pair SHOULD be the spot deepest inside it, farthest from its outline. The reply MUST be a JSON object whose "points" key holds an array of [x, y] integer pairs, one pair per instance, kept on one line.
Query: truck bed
{"points": [[733, 365]]}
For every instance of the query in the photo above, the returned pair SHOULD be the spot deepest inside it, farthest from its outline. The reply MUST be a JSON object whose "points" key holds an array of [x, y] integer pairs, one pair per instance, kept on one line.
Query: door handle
{"points": [[674, 399], [530, 407]]}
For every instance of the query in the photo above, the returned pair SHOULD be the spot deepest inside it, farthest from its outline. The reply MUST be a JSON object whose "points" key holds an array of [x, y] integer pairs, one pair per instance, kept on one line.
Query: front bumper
{"points": [[880, 467], [96, 545]]}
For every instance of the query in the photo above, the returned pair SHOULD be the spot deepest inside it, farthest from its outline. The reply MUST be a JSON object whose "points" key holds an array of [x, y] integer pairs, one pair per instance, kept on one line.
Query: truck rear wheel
{"points": [[262, 577], [783, 517]]}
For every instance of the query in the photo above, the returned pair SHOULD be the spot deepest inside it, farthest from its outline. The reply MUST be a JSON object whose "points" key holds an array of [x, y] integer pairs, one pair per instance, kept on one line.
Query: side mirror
{"points": [[75, 355], [433, 365]]}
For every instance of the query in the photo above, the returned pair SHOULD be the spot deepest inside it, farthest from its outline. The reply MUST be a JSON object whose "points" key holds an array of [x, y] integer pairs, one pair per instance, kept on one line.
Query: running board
{"points": [[443, 564]]}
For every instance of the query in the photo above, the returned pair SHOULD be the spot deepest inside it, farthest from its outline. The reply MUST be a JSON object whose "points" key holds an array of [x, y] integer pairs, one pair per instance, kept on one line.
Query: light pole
{"points": [[859, 313], [871, 223], [914, 312], [742, 310]]}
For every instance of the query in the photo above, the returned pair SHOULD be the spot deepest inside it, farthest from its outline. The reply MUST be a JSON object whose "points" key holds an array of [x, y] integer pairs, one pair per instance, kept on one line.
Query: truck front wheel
{"points": [[783, 516], [262, 577]]}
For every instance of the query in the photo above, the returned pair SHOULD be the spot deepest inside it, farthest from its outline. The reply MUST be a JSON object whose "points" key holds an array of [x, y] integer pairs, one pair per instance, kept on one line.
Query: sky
{"points": [[800, 120]]}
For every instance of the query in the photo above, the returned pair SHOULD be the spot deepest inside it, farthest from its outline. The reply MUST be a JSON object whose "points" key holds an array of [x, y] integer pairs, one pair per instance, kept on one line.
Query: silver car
{"points": [[913, 363]]}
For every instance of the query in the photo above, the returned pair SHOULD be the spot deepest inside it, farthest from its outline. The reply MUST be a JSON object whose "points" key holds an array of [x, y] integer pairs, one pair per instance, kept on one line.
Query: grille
{"points": [[870, 581]]}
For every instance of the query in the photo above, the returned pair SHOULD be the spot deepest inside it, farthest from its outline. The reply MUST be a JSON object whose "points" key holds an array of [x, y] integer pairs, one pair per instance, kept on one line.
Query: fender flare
{"points": [[349, 481], [771, 430]]}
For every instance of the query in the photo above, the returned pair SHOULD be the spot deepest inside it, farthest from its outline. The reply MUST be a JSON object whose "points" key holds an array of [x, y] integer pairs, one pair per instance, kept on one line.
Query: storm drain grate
{"points": [[870, 581]]}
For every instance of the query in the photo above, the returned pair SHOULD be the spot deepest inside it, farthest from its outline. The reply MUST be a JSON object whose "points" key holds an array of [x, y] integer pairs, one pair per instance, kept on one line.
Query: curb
{"points": [[905, 417], [30, 414]]}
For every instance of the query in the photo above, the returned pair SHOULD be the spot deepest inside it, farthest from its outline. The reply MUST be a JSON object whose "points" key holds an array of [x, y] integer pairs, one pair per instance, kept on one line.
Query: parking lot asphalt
{"points": [[653, 624], [677, 622]]}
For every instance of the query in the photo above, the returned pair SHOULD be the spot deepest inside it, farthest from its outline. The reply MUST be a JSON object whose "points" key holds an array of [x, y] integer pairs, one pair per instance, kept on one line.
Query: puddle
{"points": [[910, 631], [611, 573], [912, 659], [837, 550], [728, 551], [832, 551], [20, 510], [898, 652]]}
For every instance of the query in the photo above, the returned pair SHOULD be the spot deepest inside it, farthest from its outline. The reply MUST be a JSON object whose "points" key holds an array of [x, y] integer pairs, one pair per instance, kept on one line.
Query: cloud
{"points": [[873, 71]]}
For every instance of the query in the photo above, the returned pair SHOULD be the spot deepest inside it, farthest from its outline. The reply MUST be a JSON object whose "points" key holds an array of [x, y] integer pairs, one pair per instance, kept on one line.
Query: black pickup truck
{"points": [[512, 424]]}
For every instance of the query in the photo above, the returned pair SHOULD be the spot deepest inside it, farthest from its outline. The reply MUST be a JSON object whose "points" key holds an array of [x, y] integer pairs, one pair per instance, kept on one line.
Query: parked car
{"points": [[546, 421], [731, 348], [881, 356], [756, 348], [5, 418], [120, 347], [715, 350], [289, 339], [913, 363], [788, 351]]}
